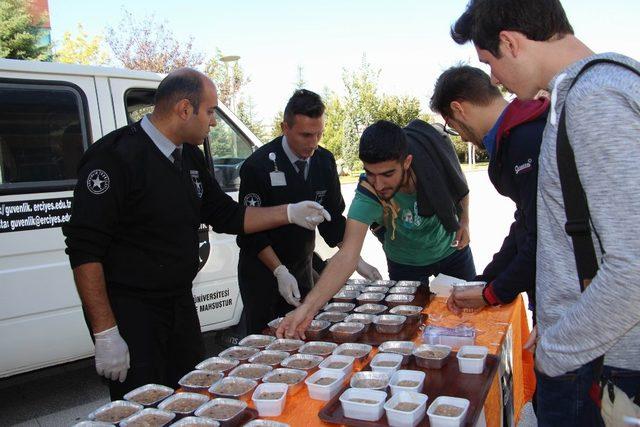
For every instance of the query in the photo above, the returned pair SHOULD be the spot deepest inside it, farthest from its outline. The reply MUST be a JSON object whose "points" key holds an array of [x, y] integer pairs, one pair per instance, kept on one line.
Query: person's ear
{"points": [[407, 162], [284, 127], [510, 43], [456, 107], [183, 109]]}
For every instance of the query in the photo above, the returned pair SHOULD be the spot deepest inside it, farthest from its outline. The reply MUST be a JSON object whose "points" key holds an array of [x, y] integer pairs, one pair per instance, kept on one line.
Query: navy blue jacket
{"points": [[513, 170]]}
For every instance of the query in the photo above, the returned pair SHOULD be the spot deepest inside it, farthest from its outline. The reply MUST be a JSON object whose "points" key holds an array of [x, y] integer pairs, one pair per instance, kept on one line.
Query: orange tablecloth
{"points": [[492, 325]]}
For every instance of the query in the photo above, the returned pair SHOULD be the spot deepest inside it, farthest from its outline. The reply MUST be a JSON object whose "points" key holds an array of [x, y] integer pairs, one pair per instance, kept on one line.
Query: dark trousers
{"points": [[459, 264], [565, 401], [164, 339], [260, 296]]}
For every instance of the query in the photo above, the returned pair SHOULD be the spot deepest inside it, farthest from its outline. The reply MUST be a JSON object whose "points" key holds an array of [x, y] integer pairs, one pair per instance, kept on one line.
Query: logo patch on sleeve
{"points": [[320, 195], [252, 199], [98, 181], [525, 167]]}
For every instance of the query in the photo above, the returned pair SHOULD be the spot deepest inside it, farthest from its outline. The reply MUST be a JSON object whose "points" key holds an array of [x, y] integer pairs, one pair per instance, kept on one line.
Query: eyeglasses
{"points": [[448, 129]]}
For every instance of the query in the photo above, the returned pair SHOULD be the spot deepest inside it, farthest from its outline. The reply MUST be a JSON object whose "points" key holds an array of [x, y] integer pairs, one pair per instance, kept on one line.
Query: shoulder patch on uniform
{"points": [[252, 199], [98, 181], [320, 195]]}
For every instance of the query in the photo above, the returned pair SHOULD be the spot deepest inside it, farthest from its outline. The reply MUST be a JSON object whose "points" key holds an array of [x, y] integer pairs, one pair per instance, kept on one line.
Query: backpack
{"points": [[615, 403]]}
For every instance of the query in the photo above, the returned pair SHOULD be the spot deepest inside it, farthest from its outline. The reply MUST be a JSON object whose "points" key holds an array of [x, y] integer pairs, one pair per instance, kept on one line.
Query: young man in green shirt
{"points": [[396, 191]]}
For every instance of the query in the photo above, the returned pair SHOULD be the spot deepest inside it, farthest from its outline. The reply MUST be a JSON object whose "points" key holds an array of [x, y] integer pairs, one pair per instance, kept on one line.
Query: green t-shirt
{"points": [[419, 241]]}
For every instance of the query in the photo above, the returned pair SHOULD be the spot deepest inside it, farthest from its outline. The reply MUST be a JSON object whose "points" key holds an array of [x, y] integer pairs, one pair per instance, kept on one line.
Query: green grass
{"points": [[477, 167], [349, 179]]}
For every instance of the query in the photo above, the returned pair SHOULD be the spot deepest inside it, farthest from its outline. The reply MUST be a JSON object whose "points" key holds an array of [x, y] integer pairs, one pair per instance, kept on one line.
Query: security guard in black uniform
{"points": [[275, 268], [142, 193]]}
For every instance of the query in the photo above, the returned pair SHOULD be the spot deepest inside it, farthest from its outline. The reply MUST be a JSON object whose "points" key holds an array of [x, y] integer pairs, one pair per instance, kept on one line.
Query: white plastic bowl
{"points": [[363, 411], [325, 392], [443, 421], [398, 418], [469, 365], [394, 358], [270, 408], [404, 375]]}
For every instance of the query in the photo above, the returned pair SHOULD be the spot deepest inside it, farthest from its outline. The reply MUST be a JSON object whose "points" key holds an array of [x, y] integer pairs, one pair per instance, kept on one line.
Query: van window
{"points": [[138, 103], [43, 134], [229, 148]]}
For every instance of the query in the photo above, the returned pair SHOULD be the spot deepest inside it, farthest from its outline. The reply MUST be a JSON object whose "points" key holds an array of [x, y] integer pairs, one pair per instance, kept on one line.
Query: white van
{"points": [[49, 114]]}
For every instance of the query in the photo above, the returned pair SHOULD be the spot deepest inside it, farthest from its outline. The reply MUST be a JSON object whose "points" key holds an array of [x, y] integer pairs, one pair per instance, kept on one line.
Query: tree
{"points": [[361, 103], [229, 80], [399, 110], [334, 129], [150, 45], [363, 106], [276, 124], [81, 49], [460, 147], [247, 115], [19, 32]]}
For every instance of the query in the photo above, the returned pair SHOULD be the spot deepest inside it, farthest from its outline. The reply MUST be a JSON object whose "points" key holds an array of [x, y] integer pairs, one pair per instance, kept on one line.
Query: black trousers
{"points": [[164, 339], [260, 297]]}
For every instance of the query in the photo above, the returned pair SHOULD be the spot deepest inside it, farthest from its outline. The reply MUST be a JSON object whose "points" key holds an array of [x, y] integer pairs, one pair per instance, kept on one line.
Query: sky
{"points": [[407, 40]]}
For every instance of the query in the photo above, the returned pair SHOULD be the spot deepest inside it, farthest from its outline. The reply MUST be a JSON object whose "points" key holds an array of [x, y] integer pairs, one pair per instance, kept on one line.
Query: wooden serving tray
{"points": [[373, 337], [407, 333], [447, 381]]}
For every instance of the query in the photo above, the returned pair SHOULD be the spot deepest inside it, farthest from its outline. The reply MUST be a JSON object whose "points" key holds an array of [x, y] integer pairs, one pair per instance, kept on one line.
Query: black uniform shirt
{"points": [[138, 215], [291, 243]]}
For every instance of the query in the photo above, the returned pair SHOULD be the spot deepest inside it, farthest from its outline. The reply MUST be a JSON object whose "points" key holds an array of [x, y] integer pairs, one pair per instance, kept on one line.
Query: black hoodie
{"points": [[513, 170]]}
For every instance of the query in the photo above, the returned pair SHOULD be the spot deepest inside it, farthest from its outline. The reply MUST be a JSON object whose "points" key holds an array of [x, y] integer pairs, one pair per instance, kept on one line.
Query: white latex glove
{"points": [[287, 285], [307, 214], [112, 354], [367, 271]]}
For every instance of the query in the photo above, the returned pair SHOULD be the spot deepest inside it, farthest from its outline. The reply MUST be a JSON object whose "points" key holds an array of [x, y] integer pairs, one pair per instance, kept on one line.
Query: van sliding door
{"points": [[44, 131]]}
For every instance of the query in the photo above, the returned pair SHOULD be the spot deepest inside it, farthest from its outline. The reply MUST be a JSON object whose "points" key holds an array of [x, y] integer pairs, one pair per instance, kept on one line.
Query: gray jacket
{"points": [[603, 124]]}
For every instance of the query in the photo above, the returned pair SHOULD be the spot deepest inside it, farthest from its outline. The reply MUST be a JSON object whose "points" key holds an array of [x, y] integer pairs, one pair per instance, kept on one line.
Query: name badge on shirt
{"points": [[277, 179]]}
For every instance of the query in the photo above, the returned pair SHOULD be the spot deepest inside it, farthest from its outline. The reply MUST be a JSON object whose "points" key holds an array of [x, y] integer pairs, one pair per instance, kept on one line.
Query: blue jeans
{"points": [[459, 264], [565, 401]]}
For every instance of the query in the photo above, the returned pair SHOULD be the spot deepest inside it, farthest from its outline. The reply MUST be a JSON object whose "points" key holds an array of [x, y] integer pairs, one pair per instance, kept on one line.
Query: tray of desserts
{"points": [[431, 386], [370, 313], [373, 314]]}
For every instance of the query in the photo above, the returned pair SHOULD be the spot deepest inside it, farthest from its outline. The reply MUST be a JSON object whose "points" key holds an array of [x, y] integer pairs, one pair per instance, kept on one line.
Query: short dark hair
{"points": [[462, 83], [303, 102], [178, 85], [383, 141], [483, 20]]}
